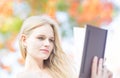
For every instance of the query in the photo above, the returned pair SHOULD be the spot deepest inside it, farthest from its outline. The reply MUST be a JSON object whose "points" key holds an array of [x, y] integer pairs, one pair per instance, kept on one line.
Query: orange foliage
{"points": [[6, 8], [21, 61], [92, 11], [73, 8], [106, 12], [51, 8], [5, 67]]}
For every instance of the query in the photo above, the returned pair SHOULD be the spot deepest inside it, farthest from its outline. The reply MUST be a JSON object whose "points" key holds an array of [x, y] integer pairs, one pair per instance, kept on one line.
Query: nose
{"points": [[46, 42]]}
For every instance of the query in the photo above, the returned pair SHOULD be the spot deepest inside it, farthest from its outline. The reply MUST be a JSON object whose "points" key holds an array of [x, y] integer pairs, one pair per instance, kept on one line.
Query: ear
{"points": [[24, 39]]}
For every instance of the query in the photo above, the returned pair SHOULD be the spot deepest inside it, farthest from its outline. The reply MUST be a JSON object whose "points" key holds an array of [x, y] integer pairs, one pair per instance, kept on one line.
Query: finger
{"points": [[100, 66], [107, 73], [94, 66], [110, 74]]}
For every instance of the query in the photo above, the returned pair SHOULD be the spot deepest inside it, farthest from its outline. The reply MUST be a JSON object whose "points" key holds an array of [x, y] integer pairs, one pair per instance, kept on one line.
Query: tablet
{"points": [[94, 45]]}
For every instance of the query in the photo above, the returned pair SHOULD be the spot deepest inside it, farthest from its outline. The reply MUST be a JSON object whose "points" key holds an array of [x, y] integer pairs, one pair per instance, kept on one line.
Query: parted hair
{"points": [[58, 63]]}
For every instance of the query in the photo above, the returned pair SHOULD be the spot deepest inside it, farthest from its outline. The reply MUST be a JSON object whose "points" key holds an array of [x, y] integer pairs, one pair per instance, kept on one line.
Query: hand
{"points": [[98, 71]]}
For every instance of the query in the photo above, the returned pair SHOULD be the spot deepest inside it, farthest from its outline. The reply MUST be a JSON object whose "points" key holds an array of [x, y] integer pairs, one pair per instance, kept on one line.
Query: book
{"points": [[94, 45]]}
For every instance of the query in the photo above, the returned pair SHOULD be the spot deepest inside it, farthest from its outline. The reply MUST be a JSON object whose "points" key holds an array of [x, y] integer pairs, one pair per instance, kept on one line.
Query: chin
{"points": [[45, 58]]}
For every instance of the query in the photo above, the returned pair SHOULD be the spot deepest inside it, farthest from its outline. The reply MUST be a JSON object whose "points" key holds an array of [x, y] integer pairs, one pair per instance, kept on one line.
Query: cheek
{"points": [[34, 44], [51, 48]]}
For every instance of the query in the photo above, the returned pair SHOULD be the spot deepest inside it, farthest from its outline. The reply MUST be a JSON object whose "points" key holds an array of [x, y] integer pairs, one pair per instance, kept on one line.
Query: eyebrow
{"points": [[44, 35]]}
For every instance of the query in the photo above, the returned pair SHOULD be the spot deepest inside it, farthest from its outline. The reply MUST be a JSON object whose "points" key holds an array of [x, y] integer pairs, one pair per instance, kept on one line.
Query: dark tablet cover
{"points": [[94, 45]]}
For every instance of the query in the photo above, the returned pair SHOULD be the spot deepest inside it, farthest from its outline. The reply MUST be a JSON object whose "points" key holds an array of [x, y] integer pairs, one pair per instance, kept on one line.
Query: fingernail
{"points": [[95, 57]]}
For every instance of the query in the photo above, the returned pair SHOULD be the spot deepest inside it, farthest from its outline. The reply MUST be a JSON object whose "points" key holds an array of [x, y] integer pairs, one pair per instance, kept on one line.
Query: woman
{"points": [[40, 47]]}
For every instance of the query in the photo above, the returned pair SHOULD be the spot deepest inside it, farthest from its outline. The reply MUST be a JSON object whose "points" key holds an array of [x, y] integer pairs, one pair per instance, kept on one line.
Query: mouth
{"points": [[44, 50]]}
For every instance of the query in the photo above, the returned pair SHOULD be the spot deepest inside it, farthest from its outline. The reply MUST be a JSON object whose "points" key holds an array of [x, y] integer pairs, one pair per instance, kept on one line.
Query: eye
{"points": [[41, 38], [51, 40]]}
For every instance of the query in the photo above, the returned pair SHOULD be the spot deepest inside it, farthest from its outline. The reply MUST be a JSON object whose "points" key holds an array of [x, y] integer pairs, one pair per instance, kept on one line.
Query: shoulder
{"points": [[25, 75], [33, 75], [21, 75], [18, 75], [28, 74]]}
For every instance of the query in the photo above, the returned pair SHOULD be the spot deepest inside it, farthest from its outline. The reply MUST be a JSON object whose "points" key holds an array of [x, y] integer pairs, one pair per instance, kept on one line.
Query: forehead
{"points": [[45, 29]]}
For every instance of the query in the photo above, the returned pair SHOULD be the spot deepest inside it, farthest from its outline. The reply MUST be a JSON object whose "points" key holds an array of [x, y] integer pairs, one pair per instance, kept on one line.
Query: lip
{"points": [[44, 50]]}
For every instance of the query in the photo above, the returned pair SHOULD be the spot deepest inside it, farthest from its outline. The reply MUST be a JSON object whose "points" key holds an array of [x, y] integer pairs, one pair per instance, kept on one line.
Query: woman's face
{"points": [[40, 43]]}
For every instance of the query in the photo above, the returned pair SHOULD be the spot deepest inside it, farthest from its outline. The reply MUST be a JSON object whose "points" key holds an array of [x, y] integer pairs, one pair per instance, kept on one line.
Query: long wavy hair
{"points": [[58, 64]]}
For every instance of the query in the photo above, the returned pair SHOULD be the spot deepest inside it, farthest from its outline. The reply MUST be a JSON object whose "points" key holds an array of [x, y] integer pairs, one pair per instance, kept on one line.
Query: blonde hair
{"points": [[58, 63]]}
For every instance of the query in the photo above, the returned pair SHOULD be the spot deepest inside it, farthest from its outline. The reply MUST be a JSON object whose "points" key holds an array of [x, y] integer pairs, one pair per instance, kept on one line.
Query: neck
{"points": [[32, 64]]}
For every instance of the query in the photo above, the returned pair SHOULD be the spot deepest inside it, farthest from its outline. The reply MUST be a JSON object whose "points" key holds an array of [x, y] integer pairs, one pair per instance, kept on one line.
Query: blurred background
{"points": [[69, 14]]}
